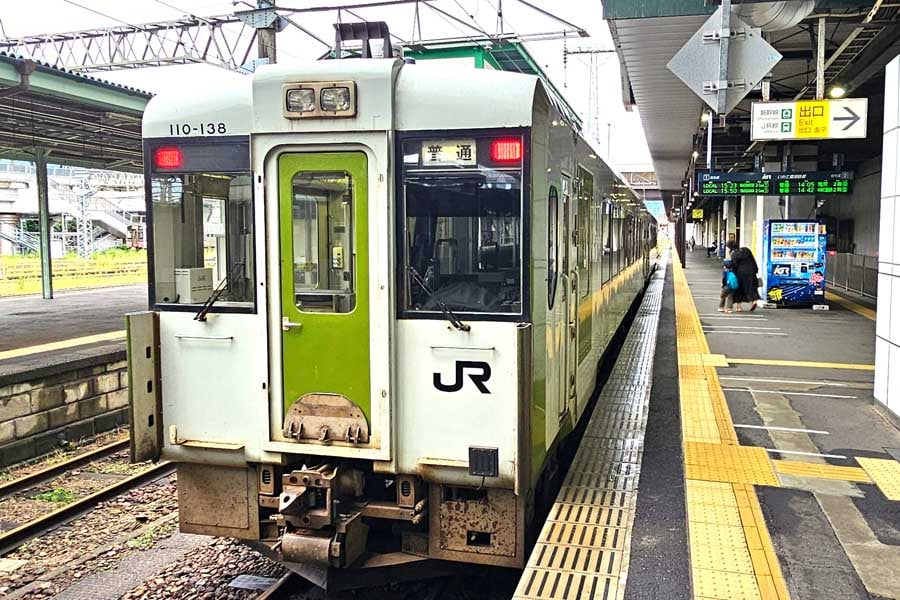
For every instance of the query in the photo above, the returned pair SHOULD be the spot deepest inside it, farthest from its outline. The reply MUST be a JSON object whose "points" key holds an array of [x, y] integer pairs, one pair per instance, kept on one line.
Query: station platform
{"points": [[75, 326], [730, 456]]}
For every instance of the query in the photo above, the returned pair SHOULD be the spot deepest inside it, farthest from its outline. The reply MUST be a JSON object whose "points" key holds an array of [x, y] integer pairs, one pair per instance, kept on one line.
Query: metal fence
{"points": [[853, 272]]}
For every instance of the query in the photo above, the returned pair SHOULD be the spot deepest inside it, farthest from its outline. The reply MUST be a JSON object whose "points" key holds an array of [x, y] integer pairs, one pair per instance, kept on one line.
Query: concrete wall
{"points": [[37, 415], [887, 327]]}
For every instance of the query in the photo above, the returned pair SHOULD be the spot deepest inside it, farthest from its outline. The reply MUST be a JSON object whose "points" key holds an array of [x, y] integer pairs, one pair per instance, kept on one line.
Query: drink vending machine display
{"points": [[794, 262]]}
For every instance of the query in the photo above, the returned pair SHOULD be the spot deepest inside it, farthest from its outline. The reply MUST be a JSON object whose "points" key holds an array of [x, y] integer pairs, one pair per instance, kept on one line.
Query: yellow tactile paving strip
{"points": [[583, 549], [821, 471], [732, 557], [885, 473], [728, 463]]}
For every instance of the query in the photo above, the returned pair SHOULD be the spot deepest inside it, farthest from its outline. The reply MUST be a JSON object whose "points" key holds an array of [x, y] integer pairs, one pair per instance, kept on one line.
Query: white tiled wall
{"points": [[887, 329]]}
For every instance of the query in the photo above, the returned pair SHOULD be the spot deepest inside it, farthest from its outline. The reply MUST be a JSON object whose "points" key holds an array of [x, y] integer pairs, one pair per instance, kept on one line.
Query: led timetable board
{"points": [[774, 184]]}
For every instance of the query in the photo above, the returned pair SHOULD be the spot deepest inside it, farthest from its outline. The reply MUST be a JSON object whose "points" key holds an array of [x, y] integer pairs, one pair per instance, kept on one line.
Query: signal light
{"points": [[506, 150], [168, 158]]}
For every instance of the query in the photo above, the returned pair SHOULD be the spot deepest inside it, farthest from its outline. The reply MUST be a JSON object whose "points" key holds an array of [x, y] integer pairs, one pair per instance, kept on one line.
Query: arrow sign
{"points": [[853, 118], [810, 119]]}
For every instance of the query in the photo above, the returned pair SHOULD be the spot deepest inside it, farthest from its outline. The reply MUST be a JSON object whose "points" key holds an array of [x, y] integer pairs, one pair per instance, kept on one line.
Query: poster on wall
{"points": [[794, 262]]}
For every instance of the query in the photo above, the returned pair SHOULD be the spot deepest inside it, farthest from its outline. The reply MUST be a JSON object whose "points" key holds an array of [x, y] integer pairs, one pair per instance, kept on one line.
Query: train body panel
{"points": [[382, 293]]}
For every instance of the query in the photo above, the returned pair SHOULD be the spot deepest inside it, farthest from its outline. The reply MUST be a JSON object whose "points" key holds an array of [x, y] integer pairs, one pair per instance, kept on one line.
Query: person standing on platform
{"points": [[691, 243], [730, 285], [747, 271]]}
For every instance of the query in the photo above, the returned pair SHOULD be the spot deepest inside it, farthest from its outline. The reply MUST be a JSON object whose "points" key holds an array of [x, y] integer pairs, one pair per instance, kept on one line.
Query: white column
{"points": [[887, 327]]}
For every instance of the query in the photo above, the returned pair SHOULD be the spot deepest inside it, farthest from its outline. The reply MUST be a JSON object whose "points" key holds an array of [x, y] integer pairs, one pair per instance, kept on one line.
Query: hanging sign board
{"points": [[810, 119], [774, 184], [697, 213]]}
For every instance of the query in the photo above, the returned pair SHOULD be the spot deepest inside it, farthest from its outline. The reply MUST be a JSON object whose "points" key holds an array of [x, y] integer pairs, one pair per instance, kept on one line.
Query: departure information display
{"points": [[774, 184]]}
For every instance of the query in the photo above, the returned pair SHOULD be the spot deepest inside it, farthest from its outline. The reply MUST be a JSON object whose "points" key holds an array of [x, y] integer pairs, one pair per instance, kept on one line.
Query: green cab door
{"points": [[323, 208]]}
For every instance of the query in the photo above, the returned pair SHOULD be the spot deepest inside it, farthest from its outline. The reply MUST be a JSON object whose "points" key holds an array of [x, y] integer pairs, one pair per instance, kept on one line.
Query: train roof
{"points": [[391, 95]]}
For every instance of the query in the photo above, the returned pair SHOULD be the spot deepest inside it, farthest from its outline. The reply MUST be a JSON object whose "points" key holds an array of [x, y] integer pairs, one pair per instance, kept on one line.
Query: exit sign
{"points": [[810, 119]]}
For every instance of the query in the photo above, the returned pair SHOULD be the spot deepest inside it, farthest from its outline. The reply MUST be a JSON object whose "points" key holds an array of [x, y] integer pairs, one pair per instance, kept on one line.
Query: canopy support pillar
{"points": [[40, 164]]}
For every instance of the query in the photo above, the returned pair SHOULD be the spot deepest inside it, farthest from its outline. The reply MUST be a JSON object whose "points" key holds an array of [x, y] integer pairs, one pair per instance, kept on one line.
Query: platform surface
{"points": [[754, 464], [74, 325]]}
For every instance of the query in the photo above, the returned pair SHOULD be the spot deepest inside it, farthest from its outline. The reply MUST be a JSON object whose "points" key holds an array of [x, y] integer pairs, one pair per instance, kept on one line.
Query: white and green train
{"points": [[379, 295]]}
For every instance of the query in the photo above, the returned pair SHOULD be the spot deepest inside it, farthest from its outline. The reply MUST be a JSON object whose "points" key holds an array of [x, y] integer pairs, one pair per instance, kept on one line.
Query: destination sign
{"points": [[774, 184]]}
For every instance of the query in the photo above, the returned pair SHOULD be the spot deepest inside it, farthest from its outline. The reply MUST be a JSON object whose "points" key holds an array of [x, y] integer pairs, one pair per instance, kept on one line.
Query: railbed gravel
{"points": [[204, 574], [128, 512]]}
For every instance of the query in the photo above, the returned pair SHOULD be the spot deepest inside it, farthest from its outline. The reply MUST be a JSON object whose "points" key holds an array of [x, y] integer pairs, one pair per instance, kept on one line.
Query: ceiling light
{"points": [[695, 154], [706, 117], [837, 91]]}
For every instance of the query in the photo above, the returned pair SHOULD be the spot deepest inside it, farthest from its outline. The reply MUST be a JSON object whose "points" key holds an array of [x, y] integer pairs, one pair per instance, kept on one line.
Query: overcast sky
{"points": [[629, 148]]}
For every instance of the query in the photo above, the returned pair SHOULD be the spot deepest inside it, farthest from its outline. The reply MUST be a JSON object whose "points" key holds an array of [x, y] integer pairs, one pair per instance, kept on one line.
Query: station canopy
{"points": [[78, 120], [861, 36]]}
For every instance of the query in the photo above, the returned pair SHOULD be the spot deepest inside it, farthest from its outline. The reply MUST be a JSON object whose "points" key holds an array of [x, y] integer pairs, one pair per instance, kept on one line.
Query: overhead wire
{"points": [[103, 14], [449, 19], [472, 17]]}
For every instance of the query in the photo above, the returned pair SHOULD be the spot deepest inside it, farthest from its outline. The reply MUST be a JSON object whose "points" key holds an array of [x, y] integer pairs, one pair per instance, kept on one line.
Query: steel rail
{"points": [[53, 471], [14, 538], [281, 588]]}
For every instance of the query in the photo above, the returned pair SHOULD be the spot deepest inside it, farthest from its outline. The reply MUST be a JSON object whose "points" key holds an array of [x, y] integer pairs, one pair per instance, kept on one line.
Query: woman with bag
{"points": [[747, 272]]}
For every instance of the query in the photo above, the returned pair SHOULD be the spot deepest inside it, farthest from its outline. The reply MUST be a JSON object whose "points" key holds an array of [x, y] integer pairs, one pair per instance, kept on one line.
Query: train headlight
{"points": [[320, 99], [301, 100], [335, 99]]}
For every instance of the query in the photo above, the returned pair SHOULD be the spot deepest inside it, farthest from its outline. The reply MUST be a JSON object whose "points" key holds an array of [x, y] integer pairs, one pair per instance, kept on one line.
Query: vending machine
{"points": [[793, 268]]}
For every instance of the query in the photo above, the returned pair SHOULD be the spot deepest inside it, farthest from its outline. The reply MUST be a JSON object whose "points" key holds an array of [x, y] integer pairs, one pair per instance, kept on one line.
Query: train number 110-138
{"points": [[197, 128]]}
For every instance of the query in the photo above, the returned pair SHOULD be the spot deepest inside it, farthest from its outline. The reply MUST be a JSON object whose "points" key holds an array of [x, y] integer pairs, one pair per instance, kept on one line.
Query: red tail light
{"points": [[506, 150], [168, 158]]}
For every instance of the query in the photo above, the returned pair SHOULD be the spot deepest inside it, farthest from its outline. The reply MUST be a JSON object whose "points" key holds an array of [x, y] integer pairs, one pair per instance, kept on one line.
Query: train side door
{"points": [[323, 208], [570, 298]]}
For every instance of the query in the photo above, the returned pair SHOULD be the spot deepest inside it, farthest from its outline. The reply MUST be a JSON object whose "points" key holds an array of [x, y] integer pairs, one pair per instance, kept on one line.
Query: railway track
{"points": [[12, 539]]}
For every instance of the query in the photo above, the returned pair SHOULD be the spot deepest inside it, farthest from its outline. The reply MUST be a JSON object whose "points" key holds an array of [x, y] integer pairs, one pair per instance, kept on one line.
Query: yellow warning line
{"points": [[732, 555], [849, 304], [799, 363], [62, 345], [821, 471]]}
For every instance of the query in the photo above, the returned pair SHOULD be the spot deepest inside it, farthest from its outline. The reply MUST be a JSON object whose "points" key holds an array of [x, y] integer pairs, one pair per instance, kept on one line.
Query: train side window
{"points": [[552, 245], [202, 240], [605, 263], [323, 242], [585, 197]]}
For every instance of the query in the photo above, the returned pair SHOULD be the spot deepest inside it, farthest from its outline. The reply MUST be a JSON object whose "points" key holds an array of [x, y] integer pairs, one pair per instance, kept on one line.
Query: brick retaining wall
{"points": [[65, 403]]}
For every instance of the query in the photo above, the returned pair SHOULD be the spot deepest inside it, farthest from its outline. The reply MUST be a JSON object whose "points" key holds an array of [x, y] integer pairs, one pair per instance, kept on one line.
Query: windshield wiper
{"points": [[213, 298], [445, 310]]}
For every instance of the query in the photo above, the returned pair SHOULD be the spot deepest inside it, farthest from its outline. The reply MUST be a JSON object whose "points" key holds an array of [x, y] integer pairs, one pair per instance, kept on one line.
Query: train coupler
{"points": [[338, 549]]}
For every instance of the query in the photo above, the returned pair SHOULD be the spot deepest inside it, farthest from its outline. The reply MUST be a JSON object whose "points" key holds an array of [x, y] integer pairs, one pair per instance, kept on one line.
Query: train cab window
{"points": [[202, 240], [462, 229], [322, 234], [552, 244]]}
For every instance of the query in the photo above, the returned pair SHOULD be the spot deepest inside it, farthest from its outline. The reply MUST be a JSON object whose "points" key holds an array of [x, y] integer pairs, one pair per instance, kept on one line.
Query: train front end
{"points": [[337, 354]]}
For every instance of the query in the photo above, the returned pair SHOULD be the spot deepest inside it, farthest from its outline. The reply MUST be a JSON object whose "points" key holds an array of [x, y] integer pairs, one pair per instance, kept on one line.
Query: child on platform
{"points": [[729, 287]]}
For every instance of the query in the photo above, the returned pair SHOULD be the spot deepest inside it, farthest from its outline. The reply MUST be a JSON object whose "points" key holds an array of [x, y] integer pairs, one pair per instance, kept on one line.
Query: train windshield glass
{"points": [[202, 239], [462, 229]]}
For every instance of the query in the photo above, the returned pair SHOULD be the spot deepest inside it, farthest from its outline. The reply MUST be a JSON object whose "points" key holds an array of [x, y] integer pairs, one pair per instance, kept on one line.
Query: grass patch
{"points": [[59, 495], [146, 540]]}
